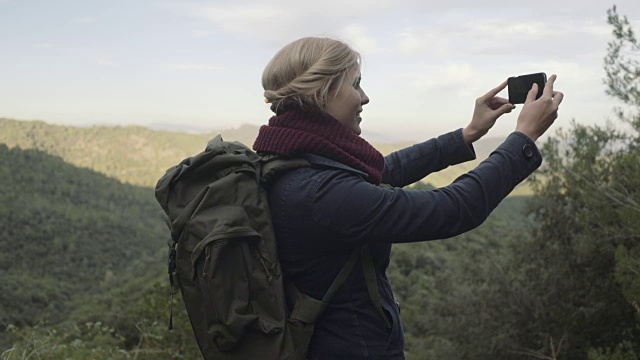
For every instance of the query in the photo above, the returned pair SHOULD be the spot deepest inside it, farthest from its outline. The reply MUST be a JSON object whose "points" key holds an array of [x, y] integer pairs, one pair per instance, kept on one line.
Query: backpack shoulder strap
{"points": [[306, 308], [272, 165], [372, 282]]}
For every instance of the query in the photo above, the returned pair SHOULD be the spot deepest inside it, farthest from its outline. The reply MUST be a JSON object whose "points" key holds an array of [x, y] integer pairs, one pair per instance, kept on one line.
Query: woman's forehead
{"points": [[354, 73]]}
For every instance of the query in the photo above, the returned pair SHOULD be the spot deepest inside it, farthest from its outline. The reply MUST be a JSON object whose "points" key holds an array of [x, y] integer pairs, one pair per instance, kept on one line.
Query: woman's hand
{"points": [[538, 115], [488, 109]]}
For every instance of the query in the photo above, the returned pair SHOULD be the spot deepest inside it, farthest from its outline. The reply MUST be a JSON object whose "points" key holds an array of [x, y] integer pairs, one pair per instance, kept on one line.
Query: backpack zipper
{"points": [[266, 270]]}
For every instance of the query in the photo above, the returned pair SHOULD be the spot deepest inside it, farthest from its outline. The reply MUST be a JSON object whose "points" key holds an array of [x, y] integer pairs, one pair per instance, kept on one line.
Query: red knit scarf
{"points": [[296, 131]]}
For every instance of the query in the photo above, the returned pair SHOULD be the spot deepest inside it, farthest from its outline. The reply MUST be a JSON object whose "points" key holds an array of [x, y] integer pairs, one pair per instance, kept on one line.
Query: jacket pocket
{"points": [[392, 312]]}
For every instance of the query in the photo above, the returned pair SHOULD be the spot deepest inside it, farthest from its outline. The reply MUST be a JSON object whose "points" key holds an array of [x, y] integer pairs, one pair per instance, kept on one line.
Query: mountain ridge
{"points": [[140, 155]]}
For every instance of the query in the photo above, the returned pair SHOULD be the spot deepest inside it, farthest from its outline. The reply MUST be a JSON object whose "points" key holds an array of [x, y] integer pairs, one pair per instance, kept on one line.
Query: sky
{"points": [[198, 64]]}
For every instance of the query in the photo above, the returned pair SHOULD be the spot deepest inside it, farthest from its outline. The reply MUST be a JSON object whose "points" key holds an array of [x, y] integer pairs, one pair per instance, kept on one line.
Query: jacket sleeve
{"points": [[348, 208], [411, 164]]}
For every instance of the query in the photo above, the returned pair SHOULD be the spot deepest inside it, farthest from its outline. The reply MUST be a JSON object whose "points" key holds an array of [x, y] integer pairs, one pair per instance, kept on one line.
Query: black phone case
{"points": [[519, 86]]}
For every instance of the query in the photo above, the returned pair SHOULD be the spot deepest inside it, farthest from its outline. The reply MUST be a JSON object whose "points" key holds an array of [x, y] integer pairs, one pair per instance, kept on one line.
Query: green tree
{"points": [[581, 269], [623, 68], [567, 287]]}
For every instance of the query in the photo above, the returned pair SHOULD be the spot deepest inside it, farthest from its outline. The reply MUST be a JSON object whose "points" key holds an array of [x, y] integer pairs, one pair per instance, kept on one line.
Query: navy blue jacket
{"points": [[322, 212]]}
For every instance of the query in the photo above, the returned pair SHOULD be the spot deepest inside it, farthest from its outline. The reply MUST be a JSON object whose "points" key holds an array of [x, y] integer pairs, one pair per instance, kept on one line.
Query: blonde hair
{"points": [[304, 71]]}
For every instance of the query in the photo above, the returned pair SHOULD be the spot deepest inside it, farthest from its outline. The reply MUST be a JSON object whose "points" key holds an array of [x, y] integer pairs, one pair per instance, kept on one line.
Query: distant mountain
{"points": [[139, 155]]}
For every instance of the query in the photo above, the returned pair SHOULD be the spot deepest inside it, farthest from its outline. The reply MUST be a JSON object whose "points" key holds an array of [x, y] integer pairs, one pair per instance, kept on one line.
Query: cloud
{"points": [[412, 42], [502, 29], [464, 35], [241, 19], [409, 43], [357, 36], [451, 77], [463, 27], [107, 62], [498, 28], [280, 21], [43, 46], [540, 9], [200, 33], [194, 67], [86, 20]]}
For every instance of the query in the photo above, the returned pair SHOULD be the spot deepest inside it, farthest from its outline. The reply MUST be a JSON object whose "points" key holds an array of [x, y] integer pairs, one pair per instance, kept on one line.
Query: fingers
{"points": [[496, 102], [505, 109], [500, 100], [493, 92], [548, 87], [557, 98], [531, 95]]}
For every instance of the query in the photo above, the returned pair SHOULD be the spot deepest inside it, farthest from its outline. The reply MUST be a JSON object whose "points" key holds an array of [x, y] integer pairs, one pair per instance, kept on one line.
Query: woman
{"points": [[322, 212]]}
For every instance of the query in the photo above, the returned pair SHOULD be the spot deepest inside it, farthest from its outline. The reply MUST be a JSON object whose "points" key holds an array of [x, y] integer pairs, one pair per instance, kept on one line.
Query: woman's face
{"points": [[346, 103]]}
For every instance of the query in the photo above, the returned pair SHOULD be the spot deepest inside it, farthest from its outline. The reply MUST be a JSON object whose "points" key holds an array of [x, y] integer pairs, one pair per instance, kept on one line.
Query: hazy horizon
{"points": [[370, 136]]}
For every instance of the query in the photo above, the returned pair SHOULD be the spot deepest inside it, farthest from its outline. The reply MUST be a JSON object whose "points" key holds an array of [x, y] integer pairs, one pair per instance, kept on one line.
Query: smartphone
{"points": [[519, 86]]}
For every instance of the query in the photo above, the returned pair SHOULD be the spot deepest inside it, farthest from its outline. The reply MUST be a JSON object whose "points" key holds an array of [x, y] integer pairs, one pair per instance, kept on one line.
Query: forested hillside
{"points": [[67, 233], [134, 155], [83, 263], [77, 248], [139, 155]]}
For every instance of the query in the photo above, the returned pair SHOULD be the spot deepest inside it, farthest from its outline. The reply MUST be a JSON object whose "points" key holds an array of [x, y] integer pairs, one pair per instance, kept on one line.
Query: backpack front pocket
{"points": [[237, 290]]}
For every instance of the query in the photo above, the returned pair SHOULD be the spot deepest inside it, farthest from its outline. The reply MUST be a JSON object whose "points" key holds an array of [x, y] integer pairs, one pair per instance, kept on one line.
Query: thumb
{"points": [[531, 95]]}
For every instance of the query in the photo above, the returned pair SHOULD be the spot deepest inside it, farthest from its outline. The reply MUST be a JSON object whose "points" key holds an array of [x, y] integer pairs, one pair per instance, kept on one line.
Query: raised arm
{"points": [[411, 164], [356, 211]]}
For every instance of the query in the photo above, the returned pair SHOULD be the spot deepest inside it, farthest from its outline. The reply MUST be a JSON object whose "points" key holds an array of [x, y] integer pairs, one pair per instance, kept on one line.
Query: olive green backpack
{"points": [[223, 256]]}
